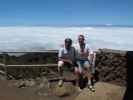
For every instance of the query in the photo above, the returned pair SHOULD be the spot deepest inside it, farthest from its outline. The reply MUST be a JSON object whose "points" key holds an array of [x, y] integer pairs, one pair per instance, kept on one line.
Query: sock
{"points": [[89, 82]]}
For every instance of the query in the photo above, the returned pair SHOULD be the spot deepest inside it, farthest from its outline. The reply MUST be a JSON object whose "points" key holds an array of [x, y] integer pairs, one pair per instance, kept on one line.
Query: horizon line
{"points": [[91, 25]]}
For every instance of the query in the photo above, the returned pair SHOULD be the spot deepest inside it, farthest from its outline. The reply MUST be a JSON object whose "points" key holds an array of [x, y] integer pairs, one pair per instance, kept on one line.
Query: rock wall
{"points": [[112, 66]]}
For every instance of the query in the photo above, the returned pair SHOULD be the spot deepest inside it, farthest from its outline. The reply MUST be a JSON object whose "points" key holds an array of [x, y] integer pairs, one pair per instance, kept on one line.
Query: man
{"points": [[84, 58], [66, 56]]}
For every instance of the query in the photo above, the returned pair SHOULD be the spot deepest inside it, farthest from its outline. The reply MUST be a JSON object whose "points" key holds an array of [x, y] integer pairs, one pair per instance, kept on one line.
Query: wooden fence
{"points": [[5, 66]]}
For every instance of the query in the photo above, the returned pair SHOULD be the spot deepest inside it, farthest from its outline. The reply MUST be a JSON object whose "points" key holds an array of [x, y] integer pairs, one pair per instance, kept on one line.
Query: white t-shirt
{"points": [[85, 54]]}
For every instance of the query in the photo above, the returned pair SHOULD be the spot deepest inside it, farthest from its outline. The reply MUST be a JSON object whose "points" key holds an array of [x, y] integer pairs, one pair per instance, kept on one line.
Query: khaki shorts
{"points": [[68, 69]]}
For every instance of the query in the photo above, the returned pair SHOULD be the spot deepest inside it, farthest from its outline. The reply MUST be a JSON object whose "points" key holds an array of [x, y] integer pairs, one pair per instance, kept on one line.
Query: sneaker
{"points": [[60, 83], [91, 88], [78, 89]]}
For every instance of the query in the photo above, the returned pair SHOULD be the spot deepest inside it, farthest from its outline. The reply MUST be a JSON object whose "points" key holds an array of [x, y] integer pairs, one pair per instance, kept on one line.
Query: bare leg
{"points": [[88, 75], [87, 72], [60, 70], [77, 73]]}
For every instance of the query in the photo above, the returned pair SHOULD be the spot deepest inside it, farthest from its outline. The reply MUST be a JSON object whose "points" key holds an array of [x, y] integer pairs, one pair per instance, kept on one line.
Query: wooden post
{"points": [[4, 62]]}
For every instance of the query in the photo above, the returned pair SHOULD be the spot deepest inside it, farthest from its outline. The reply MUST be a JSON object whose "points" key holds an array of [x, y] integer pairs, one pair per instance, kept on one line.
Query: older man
{"points": [[84, 56]]}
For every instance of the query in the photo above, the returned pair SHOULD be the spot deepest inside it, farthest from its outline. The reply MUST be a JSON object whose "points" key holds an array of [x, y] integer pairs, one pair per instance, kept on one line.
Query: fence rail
{"points": [[44, 51], [5, 65], [31, 66]]}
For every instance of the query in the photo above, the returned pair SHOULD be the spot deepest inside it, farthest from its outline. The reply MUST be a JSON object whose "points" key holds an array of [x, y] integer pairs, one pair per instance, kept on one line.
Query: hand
{"points": [[68, 61]]}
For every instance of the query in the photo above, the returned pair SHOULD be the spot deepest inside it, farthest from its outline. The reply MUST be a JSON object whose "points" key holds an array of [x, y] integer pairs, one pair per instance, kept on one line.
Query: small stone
{"points": [[66, 90]]}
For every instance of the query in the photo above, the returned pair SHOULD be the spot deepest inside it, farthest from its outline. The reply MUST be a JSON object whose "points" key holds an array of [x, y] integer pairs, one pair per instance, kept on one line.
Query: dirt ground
{"points": [[8, 91]]}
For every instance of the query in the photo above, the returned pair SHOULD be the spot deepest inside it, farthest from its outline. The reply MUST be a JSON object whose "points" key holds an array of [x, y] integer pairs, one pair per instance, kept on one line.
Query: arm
{"points": [[91, 56], [60, 54], [60, 57], [67, 60]]}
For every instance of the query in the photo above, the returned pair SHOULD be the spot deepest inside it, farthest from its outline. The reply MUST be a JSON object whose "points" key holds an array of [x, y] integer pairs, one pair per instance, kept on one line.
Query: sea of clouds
{"points": [[42, 37]]}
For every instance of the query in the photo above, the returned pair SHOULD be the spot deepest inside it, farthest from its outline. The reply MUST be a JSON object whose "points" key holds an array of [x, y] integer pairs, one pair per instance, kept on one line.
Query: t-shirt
{"points": [[67, 54], [83, 55]]}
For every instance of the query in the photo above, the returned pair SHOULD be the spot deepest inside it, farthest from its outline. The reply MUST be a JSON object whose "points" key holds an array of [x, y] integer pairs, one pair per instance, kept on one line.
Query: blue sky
{"points": [[65, 12]]}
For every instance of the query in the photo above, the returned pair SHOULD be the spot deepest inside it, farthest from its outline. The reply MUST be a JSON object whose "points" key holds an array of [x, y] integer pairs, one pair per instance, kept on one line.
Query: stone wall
{"points": [[112, 66]]}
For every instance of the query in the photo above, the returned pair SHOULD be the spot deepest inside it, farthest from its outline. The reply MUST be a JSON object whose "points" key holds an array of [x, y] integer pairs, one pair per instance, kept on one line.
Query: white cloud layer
{"points": [[34, 38]]}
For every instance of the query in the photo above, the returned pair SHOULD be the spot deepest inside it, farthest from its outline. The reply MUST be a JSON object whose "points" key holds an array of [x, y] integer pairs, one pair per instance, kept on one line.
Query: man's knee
{"points": [[87, 68], [87, 65], [60, 64], [76, 71]]}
